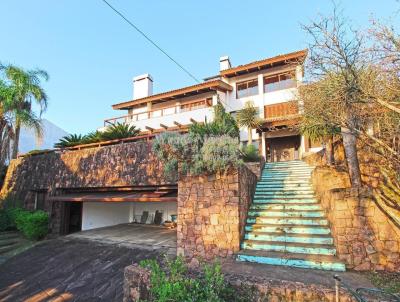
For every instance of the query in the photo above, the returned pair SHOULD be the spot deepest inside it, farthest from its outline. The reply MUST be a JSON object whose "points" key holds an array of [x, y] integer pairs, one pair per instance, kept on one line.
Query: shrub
{"points": [[34, 225], [174, 283], [220, 153], [250, 153], [8, 217]]}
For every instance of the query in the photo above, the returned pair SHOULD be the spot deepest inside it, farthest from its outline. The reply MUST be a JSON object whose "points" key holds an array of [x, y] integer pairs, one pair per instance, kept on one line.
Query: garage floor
{"points": [[133, 235]]}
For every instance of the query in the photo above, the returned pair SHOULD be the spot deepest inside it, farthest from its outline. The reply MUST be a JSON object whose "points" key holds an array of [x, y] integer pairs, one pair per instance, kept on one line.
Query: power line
{"points": [[151, 41]]}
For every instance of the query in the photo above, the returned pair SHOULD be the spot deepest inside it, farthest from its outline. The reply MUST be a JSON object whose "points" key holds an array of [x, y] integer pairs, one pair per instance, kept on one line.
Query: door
{"points": [[72, 221], [283, 148]]}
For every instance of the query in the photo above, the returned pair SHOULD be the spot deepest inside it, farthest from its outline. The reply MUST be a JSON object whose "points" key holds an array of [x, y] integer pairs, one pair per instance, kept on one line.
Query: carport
{"points": [[91, 208]]}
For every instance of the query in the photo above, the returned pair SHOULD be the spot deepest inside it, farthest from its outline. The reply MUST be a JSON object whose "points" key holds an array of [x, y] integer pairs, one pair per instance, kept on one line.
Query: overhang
{"points": [[123, 194], [296, 57], [215, 85]]}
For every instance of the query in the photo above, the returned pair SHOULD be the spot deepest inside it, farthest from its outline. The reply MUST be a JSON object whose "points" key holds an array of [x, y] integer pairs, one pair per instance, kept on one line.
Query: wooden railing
{"points": [[161, 111], [281, 110]]}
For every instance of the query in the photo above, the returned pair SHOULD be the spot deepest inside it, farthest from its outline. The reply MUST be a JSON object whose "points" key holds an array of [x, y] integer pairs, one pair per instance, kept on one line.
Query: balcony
{"points": [[281, 111], [168, 116]]}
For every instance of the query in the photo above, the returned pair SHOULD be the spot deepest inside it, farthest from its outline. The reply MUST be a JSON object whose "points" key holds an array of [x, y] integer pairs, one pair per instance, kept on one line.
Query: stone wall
{"points": [[116, 165], [124, 164], [212, 212], [256, 167], [137, 288], [364, 236]]}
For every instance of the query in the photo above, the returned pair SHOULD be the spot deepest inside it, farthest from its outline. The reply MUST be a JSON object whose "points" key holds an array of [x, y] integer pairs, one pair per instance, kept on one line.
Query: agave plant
{"points": [[70, 141], [92, 137], [118, 131]]}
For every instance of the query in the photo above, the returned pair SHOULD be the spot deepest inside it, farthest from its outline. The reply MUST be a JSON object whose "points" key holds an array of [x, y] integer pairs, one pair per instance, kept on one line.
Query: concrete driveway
{"points": [[86, 266], [134, 236]]}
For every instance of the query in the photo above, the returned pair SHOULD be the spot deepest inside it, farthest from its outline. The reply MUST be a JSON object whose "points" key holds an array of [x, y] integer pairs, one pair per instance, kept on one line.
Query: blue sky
{"points": [[92, 55]]}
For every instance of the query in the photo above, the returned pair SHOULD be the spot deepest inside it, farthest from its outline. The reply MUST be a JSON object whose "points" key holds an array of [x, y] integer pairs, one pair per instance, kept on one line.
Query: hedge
{"points": [[33, 225]]}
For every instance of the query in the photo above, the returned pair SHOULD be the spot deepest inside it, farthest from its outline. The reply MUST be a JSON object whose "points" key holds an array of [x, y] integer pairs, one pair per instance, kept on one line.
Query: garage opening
{"points": [[91, 208]]}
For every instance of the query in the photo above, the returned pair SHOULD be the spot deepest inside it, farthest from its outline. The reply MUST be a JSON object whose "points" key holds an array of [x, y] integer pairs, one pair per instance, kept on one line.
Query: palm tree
{"points": [[248, 117], [6, 129], [318, 130], [26, 89]]}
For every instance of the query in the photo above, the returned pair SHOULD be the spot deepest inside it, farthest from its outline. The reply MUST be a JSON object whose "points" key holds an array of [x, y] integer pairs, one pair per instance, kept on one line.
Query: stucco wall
{"points": [[102, 214]]}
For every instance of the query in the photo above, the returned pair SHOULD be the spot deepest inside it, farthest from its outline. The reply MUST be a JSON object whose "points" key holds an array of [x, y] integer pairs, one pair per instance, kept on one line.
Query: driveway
{"points": [[82, 266]]}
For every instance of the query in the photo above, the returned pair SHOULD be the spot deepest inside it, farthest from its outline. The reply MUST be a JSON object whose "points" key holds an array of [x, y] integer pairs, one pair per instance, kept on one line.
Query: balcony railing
{"points": [[159, 112], [280, 110]]}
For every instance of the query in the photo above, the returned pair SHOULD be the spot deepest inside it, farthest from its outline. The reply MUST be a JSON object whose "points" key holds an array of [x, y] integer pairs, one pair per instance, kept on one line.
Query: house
{"points": [[270, 84]]}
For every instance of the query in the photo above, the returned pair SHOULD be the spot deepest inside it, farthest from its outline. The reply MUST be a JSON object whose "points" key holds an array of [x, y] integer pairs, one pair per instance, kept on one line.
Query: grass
{"points": [[389, 282]]}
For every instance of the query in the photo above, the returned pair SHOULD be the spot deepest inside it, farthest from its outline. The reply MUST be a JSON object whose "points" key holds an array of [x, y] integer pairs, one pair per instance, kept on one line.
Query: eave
{"points": [[216, 85]]}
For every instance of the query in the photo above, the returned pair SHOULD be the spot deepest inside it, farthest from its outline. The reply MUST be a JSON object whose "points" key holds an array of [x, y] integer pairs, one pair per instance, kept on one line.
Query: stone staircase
{"points": [[286, 224]]}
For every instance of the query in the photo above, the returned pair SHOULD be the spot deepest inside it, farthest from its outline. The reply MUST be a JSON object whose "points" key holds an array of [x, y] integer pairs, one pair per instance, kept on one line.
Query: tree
{"points": [[248, 117], [337, 61], [26, 87], [317, 129]]}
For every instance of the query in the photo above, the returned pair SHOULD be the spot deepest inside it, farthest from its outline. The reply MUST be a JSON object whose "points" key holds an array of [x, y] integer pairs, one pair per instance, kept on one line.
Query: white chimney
{"points": [[224, 63], [142, 86]]}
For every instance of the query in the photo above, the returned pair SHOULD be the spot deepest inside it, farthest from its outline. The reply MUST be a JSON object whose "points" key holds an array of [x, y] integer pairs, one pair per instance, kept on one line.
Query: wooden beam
{"points": [[164, 126], [193, 121], [177, 124], [149, 128]]}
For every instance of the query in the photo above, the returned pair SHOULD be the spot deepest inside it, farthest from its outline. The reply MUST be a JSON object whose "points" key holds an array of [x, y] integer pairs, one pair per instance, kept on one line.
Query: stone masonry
{"points": [[212, 212], [365, 237]]}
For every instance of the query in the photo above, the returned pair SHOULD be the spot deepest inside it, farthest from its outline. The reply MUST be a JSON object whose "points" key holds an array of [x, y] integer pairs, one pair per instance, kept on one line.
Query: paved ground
{"points": [[73, 268], [133, 235], [306, 276]]}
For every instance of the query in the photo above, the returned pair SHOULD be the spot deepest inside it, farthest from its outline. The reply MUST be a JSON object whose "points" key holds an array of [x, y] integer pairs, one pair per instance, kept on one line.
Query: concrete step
{"points": [[9, 241], [286, 213], [288, 229], [7, 248], [285, 180], [9, 234], [283, 192], [289, 247], [286, 207], [282, 200], [280, 186], [287, 220], [297, 238], [283, 196], [322, 262]]}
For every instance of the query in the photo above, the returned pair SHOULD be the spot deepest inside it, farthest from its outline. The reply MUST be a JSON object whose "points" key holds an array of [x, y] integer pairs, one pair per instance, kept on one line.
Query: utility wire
{"points": [[150, 40]]}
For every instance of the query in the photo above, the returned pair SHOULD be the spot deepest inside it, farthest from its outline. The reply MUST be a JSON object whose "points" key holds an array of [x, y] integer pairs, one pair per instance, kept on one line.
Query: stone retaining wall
{"points": [[137, 288], [365, 238], [212, 210], [110, 166]]}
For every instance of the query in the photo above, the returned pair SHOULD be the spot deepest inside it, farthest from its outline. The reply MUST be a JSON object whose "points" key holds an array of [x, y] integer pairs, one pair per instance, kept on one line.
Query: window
{"points": [[40, 198], [196, 105], [247, 88], [279, 82]]}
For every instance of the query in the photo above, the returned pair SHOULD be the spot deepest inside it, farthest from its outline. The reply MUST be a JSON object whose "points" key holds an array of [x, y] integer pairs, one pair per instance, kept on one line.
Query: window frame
{"points": [[247, 88], [280, 87]]}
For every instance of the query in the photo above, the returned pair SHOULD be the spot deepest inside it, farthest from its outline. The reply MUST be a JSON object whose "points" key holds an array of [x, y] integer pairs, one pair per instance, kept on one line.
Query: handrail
{"points": [[134, 117]]}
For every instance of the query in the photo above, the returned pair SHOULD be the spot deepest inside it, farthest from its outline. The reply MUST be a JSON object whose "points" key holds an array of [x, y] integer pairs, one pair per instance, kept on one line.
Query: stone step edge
{"points": [[290, 244], [297, 235]]}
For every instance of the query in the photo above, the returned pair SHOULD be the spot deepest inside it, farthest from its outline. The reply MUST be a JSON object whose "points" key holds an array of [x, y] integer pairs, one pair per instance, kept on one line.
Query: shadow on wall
{"points": [[125, 164]]}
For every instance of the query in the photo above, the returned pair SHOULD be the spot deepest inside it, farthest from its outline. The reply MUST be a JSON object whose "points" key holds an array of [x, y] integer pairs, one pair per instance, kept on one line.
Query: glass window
{"points": [[247, 88], [279, 82]]}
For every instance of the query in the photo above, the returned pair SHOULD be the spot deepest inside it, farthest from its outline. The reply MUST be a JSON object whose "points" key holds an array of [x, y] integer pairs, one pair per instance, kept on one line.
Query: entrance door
{"points": [[72, 217], [283, 148]]}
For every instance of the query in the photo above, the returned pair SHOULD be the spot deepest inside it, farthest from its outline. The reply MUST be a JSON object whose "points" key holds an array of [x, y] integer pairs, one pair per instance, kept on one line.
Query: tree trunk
{"points": [[350, 149], [330, 152], [16, 140], [250, 136]]}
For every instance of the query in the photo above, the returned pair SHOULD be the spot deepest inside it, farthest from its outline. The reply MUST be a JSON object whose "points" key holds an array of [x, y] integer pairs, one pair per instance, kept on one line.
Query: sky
{"points": [[92, 55]]}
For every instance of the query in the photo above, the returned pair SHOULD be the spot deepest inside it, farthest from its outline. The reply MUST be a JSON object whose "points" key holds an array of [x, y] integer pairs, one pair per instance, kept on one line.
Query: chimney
{"points": [[224, 63], [142, 86]]}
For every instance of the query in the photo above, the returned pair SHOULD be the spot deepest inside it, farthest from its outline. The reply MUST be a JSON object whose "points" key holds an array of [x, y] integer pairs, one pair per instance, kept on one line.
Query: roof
{"points": [[269, 62], [177, 93]]}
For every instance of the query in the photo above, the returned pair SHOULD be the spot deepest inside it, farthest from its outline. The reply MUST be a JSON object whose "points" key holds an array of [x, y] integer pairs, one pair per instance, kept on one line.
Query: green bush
{"points": [[220, 153], [250, 153], [8, 217], [174, 283], [33, 225]]}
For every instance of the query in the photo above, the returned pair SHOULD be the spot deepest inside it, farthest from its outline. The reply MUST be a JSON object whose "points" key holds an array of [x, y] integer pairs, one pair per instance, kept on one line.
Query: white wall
{"points": [[167, 208], [101, 214]]}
